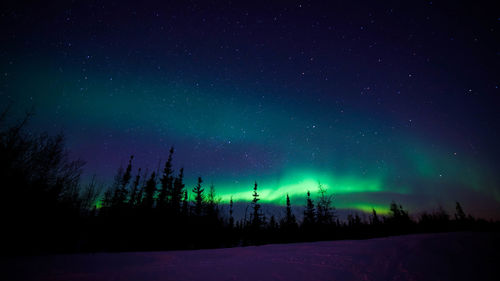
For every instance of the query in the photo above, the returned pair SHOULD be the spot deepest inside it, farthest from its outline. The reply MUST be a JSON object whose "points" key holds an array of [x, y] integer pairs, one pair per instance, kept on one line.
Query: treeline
{"points": [[45, 209]]}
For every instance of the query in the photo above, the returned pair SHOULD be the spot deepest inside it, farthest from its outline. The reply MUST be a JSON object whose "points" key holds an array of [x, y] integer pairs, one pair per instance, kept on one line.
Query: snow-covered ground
{"points": [[446, 256]]}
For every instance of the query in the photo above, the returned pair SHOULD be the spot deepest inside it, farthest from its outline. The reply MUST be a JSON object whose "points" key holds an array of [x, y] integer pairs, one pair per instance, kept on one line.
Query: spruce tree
{"points": [[231, 219], [290, 218], [107, 200], [135, 189], [185, 204], [119, 186], [212, 205], [198, 193], [166, 182], [257, 215], [460, 214], [121, 191], [140, 197], [149, 192], [177, 192], [115, 190], [394, 210], [398, 215], [309, 212], [273, 225], [128, 173], [375, 219]]}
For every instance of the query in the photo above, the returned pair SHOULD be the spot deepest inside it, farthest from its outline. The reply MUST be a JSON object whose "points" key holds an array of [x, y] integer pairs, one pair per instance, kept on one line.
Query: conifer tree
{"points": [[177, 192], [212, 205], [115, 190], [257, 219], [185, 204], [121, 191], [289, 223], [290, 218], [394, 210], [119, 187], [353, 220], [149, 192], [128, 173], [273, 225], [398, 215], [166, 182], [231, 218], [375, 219], [140, 195], [460, 214], [90, 195], [198, 191], [309, 212], [135, 189], [107, 200]]}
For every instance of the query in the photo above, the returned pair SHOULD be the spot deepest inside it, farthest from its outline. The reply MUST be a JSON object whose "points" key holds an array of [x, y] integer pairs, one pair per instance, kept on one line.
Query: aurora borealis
{"points": [[377, 102]]}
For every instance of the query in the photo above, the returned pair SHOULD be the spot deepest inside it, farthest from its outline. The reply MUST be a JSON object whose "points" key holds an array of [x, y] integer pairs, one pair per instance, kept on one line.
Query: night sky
{"points": [[377, 101]]}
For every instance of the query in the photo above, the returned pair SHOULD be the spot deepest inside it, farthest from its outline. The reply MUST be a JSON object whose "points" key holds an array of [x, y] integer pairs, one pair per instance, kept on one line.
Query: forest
{"points": [[47, 209]]}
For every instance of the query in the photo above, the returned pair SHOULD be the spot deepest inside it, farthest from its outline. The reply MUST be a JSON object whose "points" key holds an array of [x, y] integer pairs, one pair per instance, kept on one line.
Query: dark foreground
{"points": [[445, 256]]}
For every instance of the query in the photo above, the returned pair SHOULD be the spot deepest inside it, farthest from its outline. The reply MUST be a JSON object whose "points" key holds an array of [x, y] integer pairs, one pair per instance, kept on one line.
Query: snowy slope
{"points": [[447, 256]]}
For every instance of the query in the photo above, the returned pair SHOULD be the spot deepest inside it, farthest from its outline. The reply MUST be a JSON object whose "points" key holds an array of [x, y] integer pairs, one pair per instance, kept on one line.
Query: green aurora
{"points": [[233, 135]]}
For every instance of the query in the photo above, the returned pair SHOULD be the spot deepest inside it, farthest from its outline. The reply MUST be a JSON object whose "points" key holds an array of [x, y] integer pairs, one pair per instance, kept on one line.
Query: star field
{"points": [[376, 101]]}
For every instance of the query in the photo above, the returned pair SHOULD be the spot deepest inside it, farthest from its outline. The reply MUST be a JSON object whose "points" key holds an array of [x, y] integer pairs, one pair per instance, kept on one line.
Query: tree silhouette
{"points": [[353, 220], [177, 192], [149, 192], [166, 182], [119, 187], [374, 218], [185, 204], [116, 193], [128, 173], [460, 214], [42, 194], [289, 223], [273, 225], [107, 201], [257, 219], [40, 188], [325, 211], [123, 191], [398, 217], [309, 212], [231, 218], [90, 195], [212, 205], [198, 193], [140, 195], [397, 211], [134, 194]]}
